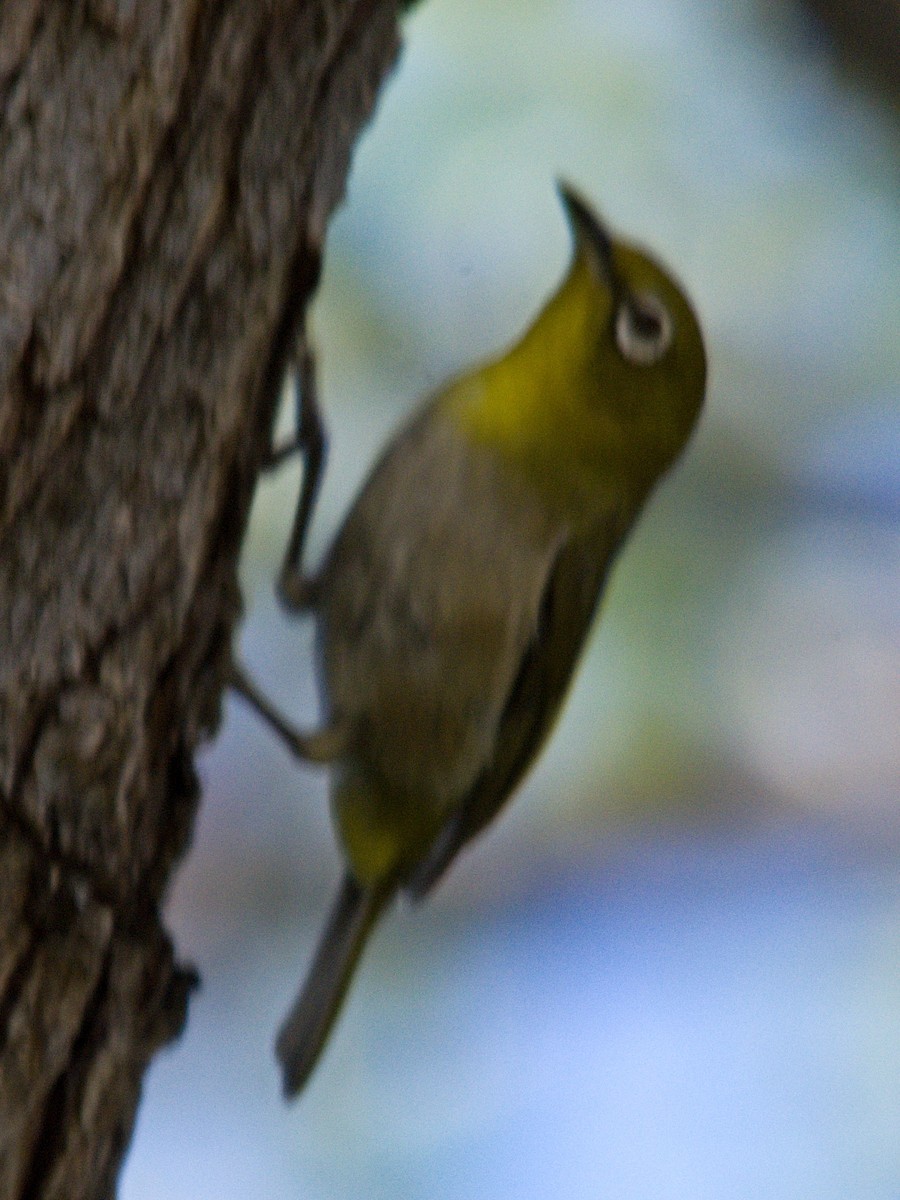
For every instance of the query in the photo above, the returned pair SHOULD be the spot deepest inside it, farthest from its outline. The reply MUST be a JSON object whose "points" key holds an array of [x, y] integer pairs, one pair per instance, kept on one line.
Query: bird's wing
{"points": [[569, 601]]}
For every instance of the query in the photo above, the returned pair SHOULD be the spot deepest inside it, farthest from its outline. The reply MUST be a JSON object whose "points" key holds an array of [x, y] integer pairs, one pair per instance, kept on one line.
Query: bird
{"points": [[453, 605]]}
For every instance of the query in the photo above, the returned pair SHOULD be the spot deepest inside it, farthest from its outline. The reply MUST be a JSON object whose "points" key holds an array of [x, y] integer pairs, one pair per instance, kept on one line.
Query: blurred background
{"points": [[672, 969]]}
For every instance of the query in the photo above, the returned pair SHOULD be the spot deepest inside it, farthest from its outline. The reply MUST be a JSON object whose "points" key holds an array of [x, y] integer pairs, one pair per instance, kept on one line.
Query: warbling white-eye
{"points": [[453, 605]]}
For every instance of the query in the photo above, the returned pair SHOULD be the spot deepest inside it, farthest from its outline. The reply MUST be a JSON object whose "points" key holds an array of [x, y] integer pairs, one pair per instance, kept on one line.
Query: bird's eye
{"points": [[643, 329]]}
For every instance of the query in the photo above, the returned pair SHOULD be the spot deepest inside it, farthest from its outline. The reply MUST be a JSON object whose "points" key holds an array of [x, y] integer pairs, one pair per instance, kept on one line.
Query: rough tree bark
{"points": [[166, 174]]}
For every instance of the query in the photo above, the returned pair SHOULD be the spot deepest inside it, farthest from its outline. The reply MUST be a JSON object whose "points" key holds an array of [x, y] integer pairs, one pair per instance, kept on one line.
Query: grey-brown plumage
{"points": [[429, 604], [447, 641]]}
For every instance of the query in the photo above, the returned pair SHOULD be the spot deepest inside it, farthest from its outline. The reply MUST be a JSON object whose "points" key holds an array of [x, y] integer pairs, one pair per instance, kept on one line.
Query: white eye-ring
{"points": [[643, 329]]}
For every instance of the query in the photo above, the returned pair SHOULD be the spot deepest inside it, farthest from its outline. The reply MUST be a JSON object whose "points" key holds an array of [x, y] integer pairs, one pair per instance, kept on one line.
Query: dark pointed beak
{"points": [[590, 236]]}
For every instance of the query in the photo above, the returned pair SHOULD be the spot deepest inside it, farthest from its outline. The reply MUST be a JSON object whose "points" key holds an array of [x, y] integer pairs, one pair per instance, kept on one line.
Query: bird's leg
{"points": [[295, 588], [318, 746]]}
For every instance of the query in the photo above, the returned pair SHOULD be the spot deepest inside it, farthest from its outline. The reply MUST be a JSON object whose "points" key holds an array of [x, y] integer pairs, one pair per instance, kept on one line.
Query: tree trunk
{"points": [[868, 34], [166, 174]]}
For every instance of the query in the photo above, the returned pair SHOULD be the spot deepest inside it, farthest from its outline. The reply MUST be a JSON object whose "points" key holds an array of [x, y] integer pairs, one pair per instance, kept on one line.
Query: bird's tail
{"points": [[306, 1028]]}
